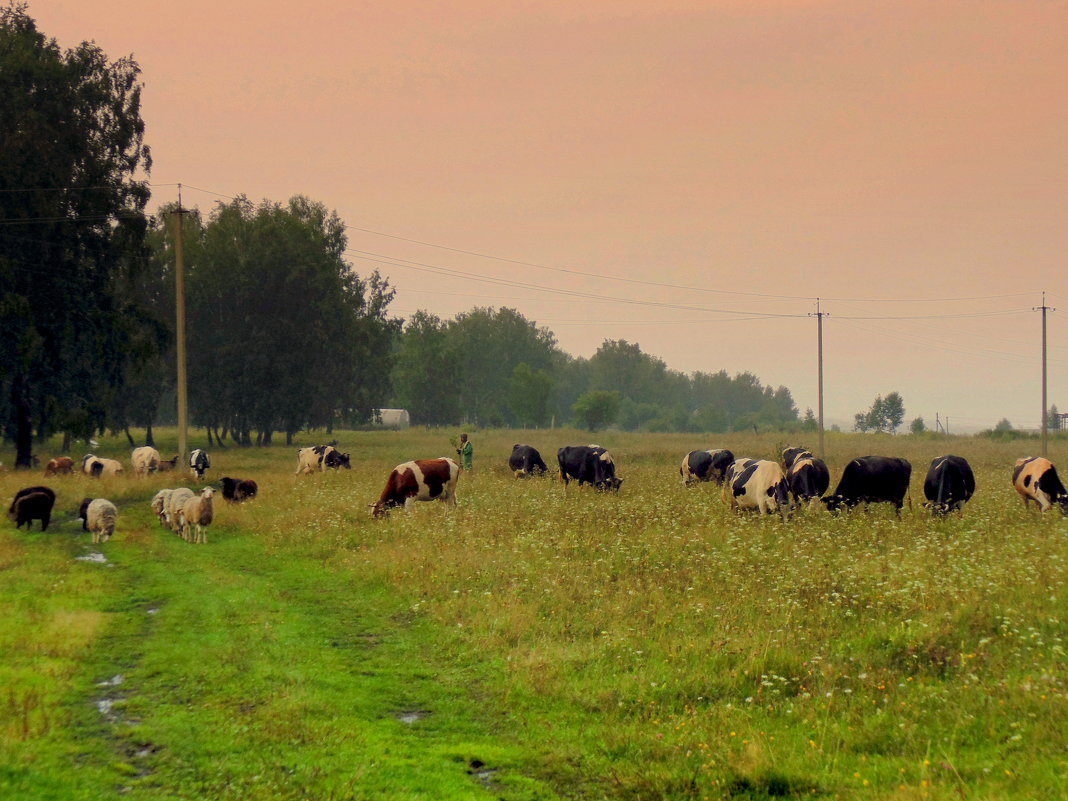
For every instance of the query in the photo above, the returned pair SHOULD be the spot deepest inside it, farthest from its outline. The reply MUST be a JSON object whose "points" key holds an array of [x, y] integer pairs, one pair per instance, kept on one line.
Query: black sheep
{"points": [[32, 503]]}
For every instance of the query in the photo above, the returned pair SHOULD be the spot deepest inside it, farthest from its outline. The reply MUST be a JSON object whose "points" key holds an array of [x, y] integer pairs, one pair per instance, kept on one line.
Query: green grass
{"points": [[546, 643]]}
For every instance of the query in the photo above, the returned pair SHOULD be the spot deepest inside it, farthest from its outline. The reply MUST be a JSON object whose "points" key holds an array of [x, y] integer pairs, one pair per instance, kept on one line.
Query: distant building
{"points": [[392, 418]]}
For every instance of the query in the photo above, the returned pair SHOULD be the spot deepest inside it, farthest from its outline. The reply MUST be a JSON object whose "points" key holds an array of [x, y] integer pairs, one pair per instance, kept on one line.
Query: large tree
{"points": [[283, 335], [72, 197]]}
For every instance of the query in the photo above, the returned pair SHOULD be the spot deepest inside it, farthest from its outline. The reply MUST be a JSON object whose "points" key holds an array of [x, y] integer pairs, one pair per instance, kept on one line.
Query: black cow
{"points": [[526, 461], [588, 464], [199, 462], [950, 483], [872, 479], [807, 476], [32, 503], [705, 466]]}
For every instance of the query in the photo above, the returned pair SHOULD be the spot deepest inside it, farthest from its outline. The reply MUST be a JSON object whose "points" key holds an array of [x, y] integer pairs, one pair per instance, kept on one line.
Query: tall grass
{"points": [[650, 644]]}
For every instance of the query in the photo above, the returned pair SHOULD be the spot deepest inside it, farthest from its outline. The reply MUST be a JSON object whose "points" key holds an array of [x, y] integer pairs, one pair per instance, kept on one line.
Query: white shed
{"points": [[393, 418]]}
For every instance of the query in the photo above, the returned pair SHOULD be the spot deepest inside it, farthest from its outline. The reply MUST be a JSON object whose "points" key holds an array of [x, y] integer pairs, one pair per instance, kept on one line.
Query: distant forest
{"points": [[282, 334]]}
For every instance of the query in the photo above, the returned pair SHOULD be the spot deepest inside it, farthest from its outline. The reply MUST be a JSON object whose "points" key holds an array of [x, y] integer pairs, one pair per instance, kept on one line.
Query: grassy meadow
{"points": [[536, 643]]}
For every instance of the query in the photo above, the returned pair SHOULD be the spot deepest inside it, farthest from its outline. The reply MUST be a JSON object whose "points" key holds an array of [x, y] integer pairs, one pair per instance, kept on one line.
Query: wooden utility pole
{"points": [[179, 299], [1045, 407], [819, 362]]}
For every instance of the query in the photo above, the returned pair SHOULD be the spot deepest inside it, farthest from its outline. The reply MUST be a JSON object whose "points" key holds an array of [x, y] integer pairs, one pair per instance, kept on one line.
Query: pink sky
{"points": [[874, 149]]}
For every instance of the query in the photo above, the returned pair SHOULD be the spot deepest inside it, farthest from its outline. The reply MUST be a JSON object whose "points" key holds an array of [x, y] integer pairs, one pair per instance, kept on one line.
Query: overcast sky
{"points": [[731, 159]]}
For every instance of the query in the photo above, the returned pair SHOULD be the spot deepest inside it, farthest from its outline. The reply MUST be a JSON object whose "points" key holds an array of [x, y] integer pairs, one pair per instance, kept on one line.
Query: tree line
{"points": [[282, 334]]}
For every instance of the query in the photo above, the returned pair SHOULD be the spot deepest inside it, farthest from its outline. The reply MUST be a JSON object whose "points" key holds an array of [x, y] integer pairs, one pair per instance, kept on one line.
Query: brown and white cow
{"points": [[60, 466], [419, 480], [1035, 478]]}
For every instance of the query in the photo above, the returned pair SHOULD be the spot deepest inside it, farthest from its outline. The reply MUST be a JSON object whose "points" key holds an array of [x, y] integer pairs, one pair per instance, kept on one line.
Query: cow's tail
{"points": [[908, 494]]}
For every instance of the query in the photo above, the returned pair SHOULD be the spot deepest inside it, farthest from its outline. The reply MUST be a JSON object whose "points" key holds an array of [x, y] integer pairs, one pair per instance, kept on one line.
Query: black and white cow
{"points": [[588, 464], [419, 480], [950, 483], [757, 484], [872, 479], [789, 455], [199, 463], [807, 476], [1036, 479], [525, 461], [708, 465], [321, 457]]}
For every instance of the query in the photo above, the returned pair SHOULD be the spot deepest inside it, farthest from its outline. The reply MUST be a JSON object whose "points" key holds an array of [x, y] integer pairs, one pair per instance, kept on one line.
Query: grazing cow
{"points": [[419, 480], [32, 503], [145, 460], [237, 490], [790, 455], [199, 463], [525, 461], [872, 479], [807, 476], [97, 467], [320, 457], [705, 466], [1035, 478], [758, 484], [588, 464], [60, 466], [950, 483]]}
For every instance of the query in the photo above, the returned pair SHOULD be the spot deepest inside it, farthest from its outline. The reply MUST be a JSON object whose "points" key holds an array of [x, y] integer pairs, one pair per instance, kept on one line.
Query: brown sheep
{"points": [[198, 512]]}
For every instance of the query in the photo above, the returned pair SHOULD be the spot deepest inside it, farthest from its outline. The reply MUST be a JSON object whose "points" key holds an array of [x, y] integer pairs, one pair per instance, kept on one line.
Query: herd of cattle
{"points": [[753, 484], [802, 479]]}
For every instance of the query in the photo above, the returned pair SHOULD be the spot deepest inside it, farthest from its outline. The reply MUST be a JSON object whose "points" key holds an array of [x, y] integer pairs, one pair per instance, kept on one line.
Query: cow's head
{"points": [[337, 459], [834, 503], [380, 509], [83, 513]]}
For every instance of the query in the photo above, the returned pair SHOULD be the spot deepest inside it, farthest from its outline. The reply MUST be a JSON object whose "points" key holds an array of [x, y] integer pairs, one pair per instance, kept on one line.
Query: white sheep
{"points": [[159, 505], [99, 516], [197, 512], [174, 507], [145, 460]]}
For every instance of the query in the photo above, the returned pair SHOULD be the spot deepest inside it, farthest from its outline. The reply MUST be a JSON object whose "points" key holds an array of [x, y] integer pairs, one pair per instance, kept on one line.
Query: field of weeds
{"points": [[545, 643]]}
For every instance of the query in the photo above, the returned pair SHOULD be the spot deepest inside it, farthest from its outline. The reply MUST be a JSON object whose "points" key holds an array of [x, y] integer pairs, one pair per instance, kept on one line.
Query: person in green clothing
{"points": [[465, 450]]}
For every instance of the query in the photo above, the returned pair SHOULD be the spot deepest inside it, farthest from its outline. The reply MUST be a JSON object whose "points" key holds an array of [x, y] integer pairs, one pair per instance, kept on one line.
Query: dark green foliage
{"points": [[426, 377], [71, 144], [596, 409], [495, 367], [282, 335], [885, 414]]}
